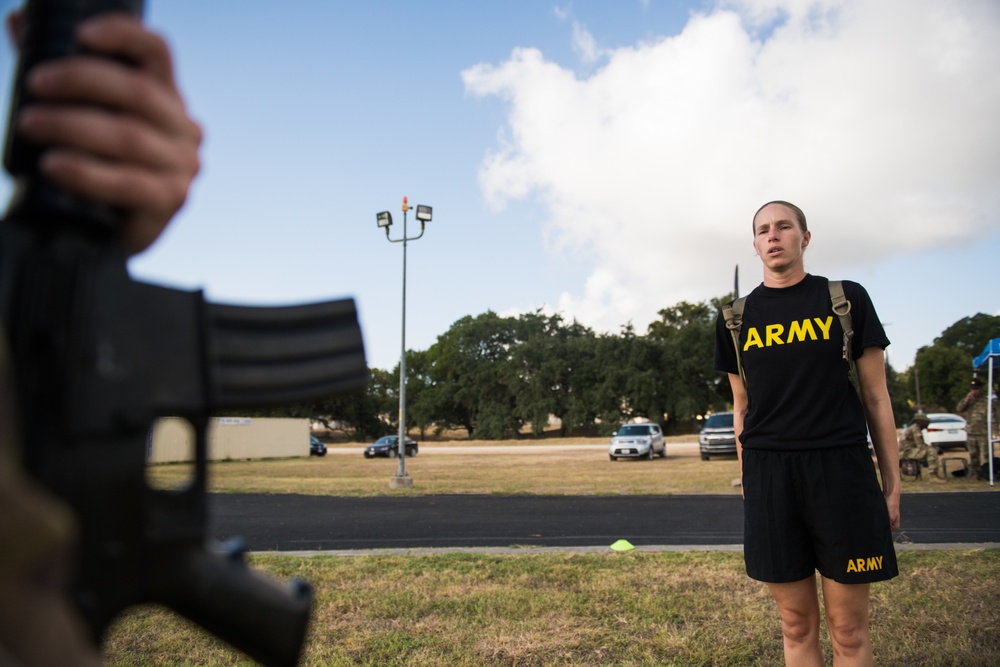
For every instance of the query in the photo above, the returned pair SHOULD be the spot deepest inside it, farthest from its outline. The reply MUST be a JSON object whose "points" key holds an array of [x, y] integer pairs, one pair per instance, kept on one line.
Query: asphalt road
{"points": [[323, 523]]}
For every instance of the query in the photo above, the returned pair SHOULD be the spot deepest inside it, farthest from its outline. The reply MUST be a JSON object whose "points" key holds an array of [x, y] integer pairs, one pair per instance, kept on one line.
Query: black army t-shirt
{"points": [[799, 392]]}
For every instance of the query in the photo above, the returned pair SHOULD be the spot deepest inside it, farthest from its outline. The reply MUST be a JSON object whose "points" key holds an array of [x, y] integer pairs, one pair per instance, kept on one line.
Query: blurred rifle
{"points": [[98, 357]]}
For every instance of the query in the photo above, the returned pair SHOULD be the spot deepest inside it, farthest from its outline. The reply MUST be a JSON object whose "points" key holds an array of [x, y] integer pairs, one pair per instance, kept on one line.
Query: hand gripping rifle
{"points": [[98, 357]]}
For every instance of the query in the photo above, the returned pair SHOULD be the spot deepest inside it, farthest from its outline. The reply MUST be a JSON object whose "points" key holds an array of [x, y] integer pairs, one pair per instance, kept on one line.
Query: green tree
{"points": [[644, 379], [535, 361], [383, 397], [686, 336], [419, 389], [902, 406], [943, 373], [578, 348], [944, 368], [621, 380], [471, 364], [357, 413], [970, 334], [545, 362]]}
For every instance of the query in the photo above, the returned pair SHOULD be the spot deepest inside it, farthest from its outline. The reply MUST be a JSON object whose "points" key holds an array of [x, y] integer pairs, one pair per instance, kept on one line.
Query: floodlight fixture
{"points": [[384, 220]]}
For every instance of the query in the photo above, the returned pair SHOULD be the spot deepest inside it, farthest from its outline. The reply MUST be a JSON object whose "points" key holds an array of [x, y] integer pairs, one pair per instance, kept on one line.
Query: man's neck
{"points": [[781, 279]]}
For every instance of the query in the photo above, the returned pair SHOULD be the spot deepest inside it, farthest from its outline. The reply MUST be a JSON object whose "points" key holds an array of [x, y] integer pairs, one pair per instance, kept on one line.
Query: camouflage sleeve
{"points": [[33, 523]]}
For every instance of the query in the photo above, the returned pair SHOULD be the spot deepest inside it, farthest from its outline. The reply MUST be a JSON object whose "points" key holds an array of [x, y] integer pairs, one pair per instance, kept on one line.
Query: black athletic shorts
{"points": [[815, 510]]}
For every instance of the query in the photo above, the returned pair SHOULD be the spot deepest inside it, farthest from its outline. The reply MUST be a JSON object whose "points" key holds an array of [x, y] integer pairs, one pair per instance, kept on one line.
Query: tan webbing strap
{"points": [[733, 314], [842, 309]]}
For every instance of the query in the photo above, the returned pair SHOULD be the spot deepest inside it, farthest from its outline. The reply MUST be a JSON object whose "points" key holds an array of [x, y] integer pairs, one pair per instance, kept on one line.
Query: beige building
{"points": [[230, 438]]}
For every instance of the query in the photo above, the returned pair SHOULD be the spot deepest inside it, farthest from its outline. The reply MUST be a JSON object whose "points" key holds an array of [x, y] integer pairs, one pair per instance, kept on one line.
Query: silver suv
{"points": [[637, 440], [717, 435]]}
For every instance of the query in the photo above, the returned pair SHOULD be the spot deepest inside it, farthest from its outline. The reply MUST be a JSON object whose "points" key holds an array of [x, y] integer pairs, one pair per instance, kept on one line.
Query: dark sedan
{"points": [[388, 445], [316, 447]]}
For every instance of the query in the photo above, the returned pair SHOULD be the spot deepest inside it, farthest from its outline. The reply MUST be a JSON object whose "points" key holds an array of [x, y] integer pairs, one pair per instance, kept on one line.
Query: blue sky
{"points": [[597, 159]]}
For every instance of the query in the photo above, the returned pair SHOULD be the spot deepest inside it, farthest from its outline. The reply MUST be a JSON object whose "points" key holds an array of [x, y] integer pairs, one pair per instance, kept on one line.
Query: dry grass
{"points": [[585, 609], [483, 467], [464, 467], [549, 609]]}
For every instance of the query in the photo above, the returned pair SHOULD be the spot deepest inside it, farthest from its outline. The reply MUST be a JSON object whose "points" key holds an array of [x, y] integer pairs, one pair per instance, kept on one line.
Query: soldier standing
{"points": [[973, 409], [912, 445]]}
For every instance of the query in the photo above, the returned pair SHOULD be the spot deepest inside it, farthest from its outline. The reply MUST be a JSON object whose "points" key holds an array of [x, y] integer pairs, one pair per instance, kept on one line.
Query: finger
{"points": [[107, 83], [108, 135], [149, 198], [118, 34], [124, 186]]}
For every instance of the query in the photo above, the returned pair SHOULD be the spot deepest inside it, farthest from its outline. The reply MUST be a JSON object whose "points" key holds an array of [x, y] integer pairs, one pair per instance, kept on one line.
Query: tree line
{"points": [[940, 375], [498, 377]]}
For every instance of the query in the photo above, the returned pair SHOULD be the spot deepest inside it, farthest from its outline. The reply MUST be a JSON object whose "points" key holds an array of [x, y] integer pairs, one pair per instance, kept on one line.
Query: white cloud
{"points": [[878, 118], [585, 45]]}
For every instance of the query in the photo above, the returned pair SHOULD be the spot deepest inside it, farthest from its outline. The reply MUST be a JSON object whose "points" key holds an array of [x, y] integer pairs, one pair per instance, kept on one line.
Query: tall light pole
{"points": [[384, 219]]}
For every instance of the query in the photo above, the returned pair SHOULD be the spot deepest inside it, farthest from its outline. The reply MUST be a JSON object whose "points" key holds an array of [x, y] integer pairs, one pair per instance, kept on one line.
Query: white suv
{"points": [[717, 435], [637, 440]]}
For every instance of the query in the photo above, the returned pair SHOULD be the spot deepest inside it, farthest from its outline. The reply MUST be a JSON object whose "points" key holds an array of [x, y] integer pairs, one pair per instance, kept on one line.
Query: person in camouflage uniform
{"points": [[912, 445], [973, 409]]}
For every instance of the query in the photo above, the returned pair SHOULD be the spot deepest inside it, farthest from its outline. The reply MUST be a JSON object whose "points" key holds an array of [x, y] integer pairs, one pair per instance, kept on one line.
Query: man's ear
{"points": [[805, 239]]}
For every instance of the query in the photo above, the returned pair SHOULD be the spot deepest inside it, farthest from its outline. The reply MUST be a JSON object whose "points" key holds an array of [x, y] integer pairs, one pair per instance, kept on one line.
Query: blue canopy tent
{"points": [[986, 361]]}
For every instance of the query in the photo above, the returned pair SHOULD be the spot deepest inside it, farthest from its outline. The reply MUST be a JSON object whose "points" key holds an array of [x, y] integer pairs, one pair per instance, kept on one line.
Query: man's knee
{"points": [[799, 627], [848, 632]]}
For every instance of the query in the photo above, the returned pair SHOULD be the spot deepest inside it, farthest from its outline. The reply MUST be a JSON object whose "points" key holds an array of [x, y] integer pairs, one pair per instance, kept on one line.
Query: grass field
{"points": [[638, 609], [532, 608], [506, 468]]}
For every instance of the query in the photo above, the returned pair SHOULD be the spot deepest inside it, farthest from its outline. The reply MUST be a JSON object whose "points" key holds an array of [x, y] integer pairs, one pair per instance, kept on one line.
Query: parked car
{"points": [[717, 435], [316, 447], [637, 440], [388, 445], [945, 431]]}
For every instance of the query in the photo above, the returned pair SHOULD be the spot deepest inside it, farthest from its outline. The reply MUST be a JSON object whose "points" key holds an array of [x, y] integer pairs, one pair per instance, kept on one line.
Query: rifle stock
{"points": [[98, 357]]}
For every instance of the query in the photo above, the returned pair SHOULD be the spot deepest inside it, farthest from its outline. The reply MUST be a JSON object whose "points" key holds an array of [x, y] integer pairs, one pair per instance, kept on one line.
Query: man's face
{"points": [[778, 237]]}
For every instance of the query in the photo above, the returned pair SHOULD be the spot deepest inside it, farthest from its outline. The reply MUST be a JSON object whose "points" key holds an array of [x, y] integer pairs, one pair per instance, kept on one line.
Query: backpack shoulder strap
{"points": [[842, 309], [733, 314]]}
